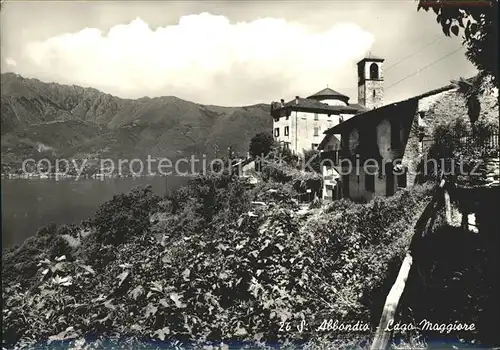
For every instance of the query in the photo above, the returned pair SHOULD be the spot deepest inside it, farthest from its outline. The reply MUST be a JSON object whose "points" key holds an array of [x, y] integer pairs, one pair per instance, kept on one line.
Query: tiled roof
{"points": [[337, 129], [327, 92], [358, 106], [313, 105], [326, 139]]}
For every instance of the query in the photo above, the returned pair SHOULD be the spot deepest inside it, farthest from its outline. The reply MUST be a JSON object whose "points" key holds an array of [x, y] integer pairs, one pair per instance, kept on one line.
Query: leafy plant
{"points": [[313, 159], [235, 275], [479, 26], [261, 144], [125, 215]]}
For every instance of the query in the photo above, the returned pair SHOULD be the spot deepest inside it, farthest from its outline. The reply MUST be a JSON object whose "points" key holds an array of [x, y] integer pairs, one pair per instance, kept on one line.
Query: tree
{"points": [[471, 90], [313, 159], [479, 22], [261, 144]]}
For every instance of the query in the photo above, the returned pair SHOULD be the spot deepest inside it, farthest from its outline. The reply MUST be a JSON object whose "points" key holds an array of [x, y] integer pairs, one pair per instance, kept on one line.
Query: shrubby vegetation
{"points": [[261, 144], [300, 180], [458, 151], [282, 166], [206, 265]]}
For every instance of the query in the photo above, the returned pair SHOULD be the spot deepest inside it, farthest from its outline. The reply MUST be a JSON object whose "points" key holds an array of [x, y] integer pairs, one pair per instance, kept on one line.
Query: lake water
{"points": [[28, 205]]}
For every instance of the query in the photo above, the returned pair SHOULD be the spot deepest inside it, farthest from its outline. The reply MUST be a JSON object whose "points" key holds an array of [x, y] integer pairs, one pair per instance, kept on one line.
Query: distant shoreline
{"points": [[85, 177]]}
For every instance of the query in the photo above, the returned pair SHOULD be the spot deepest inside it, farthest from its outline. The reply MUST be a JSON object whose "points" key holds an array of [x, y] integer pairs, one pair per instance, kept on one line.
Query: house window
{"points": [[330, 147], [287, 131], [373, 93], [314, 145], [374, 71], [370, 182], [277, 132], [316, 131], [315, 116]]}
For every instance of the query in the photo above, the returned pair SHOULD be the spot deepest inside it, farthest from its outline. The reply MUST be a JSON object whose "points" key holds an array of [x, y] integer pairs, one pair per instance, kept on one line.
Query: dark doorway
{"points": [[389, 179], [402, 177], [345, 186]]}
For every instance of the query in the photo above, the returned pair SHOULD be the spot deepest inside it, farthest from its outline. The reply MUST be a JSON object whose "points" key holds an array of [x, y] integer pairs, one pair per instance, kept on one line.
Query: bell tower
{"points": [[371, 82]]}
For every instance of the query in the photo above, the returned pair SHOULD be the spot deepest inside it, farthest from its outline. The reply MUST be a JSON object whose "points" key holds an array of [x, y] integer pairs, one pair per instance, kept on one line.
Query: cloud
{"points": [[204, 58], [10, 62]]}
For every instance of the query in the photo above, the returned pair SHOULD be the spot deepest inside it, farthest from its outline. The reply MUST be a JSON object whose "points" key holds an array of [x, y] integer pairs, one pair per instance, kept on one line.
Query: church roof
{"points": [[371, 57], [383, 111], [329, 93], [312, 105]]}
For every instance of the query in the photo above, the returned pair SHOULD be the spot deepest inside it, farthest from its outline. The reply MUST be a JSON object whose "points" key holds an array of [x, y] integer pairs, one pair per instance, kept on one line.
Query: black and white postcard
{"points": [[250, 174]]}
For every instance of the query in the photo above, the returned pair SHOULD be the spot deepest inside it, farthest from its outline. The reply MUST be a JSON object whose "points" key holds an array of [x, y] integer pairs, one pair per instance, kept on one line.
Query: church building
{"points": [[300, 124]]}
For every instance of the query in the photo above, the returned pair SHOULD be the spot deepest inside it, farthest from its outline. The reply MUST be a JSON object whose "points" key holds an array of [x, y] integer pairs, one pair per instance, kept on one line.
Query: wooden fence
{"points": [[485, 143], [421, 229]]}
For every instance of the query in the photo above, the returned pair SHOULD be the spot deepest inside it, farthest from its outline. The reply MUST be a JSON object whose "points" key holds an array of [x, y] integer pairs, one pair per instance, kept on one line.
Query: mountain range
{"points": [[41, 119]]}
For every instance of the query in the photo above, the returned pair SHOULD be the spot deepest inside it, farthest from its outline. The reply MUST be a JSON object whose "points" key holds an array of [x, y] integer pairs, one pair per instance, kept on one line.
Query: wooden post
{"points": [[465, 220], [384, 330], [447, 207]]}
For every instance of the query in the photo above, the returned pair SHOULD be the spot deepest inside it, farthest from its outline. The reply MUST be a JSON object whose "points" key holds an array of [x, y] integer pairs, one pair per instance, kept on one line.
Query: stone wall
{"points": [[448, 106], [492, 171], [366, 94], [487, 174]]}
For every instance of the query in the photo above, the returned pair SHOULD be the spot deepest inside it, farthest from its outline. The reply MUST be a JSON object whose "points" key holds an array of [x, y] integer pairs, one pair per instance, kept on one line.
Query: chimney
{"points": [[282, 102], [296, 100]]}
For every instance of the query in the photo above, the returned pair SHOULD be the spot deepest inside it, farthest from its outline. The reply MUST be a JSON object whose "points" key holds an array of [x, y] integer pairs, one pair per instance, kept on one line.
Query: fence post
{"points": [[384, 330], [447, 207]]}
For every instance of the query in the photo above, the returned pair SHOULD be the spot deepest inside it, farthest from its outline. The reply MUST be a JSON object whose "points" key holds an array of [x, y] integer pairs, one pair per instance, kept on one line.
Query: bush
{"points": [[206, 201], [300, 180], [313, 159], [70, 230], [59, 246], [452, 156], [19, 265], [261, 144], [214, 272], [277, 193], [48, 230], [125, 215]]}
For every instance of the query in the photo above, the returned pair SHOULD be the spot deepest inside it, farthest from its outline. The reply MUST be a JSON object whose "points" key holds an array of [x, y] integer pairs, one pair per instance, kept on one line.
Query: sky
{"points": [[228, 53]]}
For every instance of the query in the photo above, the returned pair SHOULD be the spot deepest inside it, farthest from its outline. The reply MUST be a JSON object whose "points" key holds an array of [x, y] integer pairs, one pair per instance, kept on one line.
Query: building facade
{"points": [[300, 124], [380, 149]]}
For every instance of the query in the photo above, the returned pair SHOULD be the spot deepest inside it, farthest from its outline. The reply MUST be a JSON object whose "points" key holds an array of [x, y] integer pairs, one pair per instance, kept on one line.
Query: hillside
{"points": [[207, 265], [40, 119]]}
